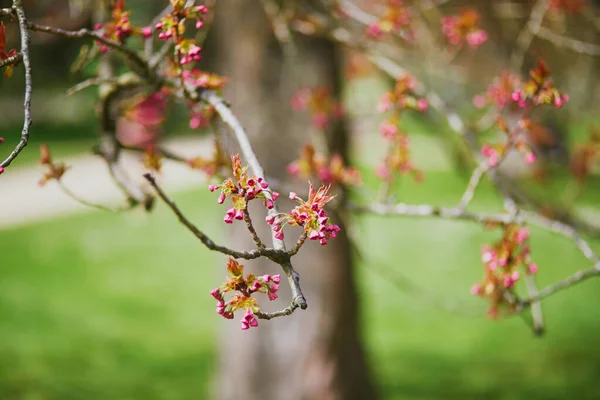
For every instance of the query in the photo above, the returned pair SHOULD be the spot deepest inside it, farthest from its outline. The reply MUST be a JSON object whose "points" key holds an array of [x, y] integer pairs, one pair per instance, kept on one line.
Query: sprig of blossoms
{"points": [[321, 105], [329, 171], [505, 262], [395, 18], [55, 170], [119, 28], [245, 288], [508, 91], [242, 189], [464, 28], [172, 27], [210, 166], [309, 214], [402, 97]]}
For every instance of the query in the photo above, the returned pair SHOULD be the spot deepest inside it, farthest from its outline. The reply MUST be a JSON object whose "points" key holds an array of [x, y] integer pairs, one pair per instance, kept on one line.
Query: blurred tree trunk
{"points": [[315, 353]]}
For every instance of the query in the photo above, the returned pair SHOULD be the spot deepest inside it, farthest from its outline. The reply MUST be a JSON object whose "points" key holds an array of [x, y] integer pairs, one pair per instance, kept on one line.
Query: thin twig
{"points": [[247, 255], [81, 201], [86, 33], [18, 9], [425, 210], [251, 229], [88, 83], [285, 312], [536, 307], [529, 31], [11, 60], [575, 45], [565, 230], [298, 244], [577, 277]]}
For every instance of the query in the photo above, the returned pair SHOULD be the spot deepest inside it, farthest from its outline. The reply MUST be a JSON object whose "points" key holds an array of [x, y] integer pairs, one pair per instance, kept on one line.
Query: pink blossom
{"points": [[270, 219], [385, 103], [275, 195], [1, 170], [559, 101], [250, 319], [487, 256], [279, 234], [422, 105], [212, 188], [199, 24], [300, 99], [320, 120], [239, 215], [272, 295], [256, 285], [1, 140], [382, 172], [293, 169], [533, 268], [293, 196], [522, 236], [245, 325], [477, 38], [388, 130], [508, 282], [314, 235], [479, 101], [147, 32], [221, 198], [530, 158], [374, 31], [476, 289], [216, 293], [276, 278], [269, 204]]}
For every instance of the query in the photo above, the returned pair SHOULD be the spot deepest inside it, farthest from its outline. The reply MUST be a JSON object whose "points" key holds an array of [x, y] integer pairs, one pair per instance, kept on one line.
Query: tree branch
{"points": [[18, 10], [247, 255]]}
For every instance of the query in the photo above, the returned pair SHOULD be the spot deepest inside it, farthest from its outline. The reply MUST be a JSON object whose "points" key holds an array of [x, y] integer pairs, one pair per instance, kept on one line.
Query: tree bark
{"points": [[315, 353]]}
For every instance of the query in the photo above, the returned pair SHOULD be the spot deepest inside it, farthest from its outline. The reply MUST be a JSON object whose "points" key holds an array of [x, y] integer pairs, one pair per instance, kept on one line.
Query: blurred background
{"points": [[98, 305]]}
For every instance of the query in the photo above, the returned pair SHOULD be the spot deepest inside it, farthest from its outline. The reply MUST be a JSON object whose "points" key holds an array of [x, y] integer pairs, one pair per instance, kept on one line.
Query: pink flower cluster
{"points": [[119, 28], [502, 262], [244, 189], [329, 171], [319, 102], [396, 18], [308, 214], [509, 89], [245, 288], [170, 26], [463, 27]]}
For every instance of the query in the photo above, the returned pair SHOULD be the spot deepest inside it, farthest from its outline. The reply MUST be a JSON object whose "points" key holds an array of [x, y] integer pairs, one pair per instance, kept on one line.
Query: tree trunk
{"points": [[315, 353]]}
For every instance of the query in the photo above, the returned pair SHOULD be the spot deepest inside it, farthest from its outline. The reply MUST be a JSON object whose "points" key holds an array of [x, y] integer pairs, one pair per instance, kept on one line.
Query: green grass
{"points": [[104, 306]]}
